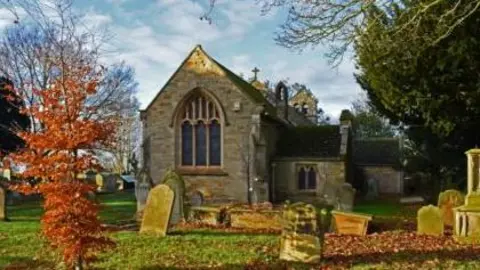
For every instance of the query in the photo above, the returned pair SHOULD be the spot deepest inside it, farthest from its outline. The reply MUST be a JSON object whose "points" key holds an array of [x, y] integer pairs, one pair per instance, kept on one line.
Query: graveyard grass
{"points": [[21, 246]]}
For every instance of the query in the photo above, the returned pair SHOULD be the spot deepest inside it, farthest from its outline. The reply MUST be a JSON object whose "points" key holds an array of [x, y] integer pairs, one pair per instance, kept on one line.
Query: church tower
{"points": [[305, 102]]}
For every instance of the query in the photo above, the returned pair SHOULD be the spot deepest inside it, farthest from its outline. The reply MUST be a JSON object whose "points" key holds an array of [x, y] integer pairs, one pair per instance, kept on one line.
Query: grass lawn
{"points": [[21, 246]]}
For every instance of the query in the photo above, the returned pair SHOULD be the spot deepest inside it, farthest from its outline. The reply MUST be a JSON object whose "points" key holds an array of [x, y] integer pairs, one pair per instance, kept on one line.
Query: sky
{"points": [[155, 36]]}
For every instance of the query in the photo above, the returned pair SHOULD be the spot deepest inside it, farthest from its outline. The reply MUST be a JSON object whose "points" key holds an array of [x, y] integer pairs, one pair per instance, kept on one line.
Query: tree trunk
{"points": [[79, 263]]}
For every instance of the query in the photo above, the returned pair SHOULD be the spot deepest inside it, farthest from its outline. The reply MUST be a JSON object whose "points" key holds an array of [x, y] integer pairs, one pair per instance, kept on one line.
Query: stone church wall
{"points": [[330, 175], [164, 149]]}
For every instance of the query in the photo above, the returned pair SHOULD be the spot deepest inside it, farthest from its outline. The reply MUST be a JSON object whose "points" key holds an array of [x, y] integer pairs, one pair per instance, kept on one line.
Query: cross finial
{"points": [[255, 71]]}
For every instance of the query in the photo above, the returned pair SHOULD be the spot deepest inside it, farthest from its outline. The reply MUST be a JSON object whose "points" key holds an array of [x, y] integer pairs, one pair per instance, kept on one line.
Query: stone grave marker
{"points": [[196, 199], [299, 240], [176, 183], [447, 201], [142, 188], [429, 221], [351, 223], [372, 189], [3, 204], [157, 211], [346, 197]]}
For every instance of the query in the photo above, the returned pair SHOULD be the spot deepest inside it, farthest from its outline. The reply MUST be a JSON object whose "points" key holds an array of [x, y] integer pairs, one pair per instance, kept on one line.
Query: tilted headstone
{"points": [[448, 200], [346, 197], [429, 221], [175, 182], [157, 211], [142, 188], [299, 240], [372, 189], [3, 204]]}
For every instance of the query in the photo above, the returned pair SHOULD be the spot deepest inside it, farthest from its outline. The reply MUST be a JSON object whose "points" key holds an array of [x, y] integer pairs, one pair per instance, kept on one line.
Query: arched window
{"points": [[304, 108], [201, 136], [306, 177]]}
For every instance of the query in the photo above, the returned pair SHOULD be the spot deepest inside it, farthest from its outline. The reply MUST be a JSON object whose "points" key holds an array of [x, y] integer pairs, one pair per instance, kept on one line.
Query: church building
{"points": [[234, 140]]}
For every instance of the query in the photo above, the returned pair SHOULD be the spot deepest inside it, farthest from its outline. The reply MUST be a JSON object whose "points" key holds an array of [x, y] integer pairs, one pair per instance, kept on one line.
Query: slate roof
{"points": [[376, 151], [310, 141]]}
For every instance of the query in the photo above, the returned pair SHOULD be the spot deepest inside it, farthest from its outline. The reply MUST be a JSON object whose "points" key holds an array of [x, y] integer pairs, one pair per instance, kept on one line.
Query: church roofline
{"points": [[244, 86]]}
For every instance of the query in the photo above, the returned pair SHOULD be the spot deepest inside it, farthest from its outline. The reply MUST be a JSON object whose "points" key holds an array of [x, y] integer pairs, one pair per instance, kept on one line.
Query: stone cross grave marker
{"points": [[157, 211], [429, 221], [3, 204], [175, 182], [448, 200]]}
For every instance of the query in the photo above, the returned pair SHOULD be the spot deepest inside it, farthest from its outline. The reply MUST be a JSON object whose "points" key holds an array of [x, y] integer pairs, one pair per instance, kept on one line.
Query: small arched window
{"points": [[200, 129], [306, 177], [304, 108]]}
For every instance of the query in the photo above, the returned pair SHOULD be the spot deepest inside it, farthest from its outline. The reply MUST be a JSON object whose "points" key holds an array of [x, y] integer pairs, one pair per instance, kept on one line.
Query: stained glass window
{"points": [[215, 144], [301, 178], [201, 133], [307, 177], [187, 144], [312, 179], [201, 144]]}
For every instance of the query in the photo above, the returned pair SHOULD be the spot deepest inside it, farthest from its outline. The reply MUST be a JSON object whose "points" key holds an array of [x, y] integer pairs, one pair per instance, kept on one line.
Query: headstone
{"points": [[330, 194], [196, 199], [346, 197], [3, 204], [351, 223], [372, 189], [99, 182], [299, 240], [142, 188], [157, 211], [448, 200], [429, 221], [175, 182]]}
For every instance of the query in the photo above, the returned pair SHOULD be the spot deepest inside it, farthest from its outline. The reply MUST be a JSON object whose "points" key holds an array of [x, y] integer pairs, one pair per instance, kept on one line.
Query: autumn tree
{"points": [[57, 152]]}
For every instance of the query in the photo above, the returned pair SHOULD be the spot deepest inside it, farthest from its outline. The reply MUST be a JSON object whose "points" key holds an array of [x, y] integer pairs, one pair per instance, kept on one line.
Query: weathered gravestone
{"points": [[175, 182], [448, 200], [299, 240], [196, 199], [157, 211], [372, 189], [429, 221], [346, 197], [3, 204], [142, 188]]}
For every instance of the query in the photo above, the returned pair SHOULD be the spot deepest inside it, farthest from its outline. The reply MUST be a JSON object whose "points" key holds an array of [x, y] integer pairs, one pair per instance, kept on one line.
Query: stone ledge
{"points": [[200, 171]]}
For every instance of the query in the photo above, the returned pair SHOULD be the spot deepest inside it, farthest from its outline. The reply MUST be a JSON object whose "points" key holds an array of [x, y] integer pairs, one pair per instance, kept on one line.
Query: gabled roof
{"points": [[306, 91], [310, 141], [376, 151], [244, 86]]}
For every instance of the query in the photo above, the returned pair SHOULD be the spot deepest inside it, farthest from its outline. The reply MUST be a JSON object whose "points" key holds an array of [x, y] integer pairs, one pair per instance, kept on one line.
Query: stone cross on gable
{"points": [[255, 71]]}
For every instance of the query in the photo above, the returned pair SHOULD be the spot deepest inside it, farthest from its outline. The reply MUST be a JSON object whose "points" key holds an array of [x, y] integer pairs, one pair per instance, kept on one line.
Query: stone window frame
{"points": [[186, 111], [307, 167]]}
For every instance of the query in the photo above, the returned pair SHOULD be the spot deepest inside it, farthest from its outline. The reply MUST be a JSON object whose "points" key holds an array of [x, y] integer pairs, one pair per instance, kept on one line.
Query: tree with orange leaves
{"points": [[62, 147]]}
